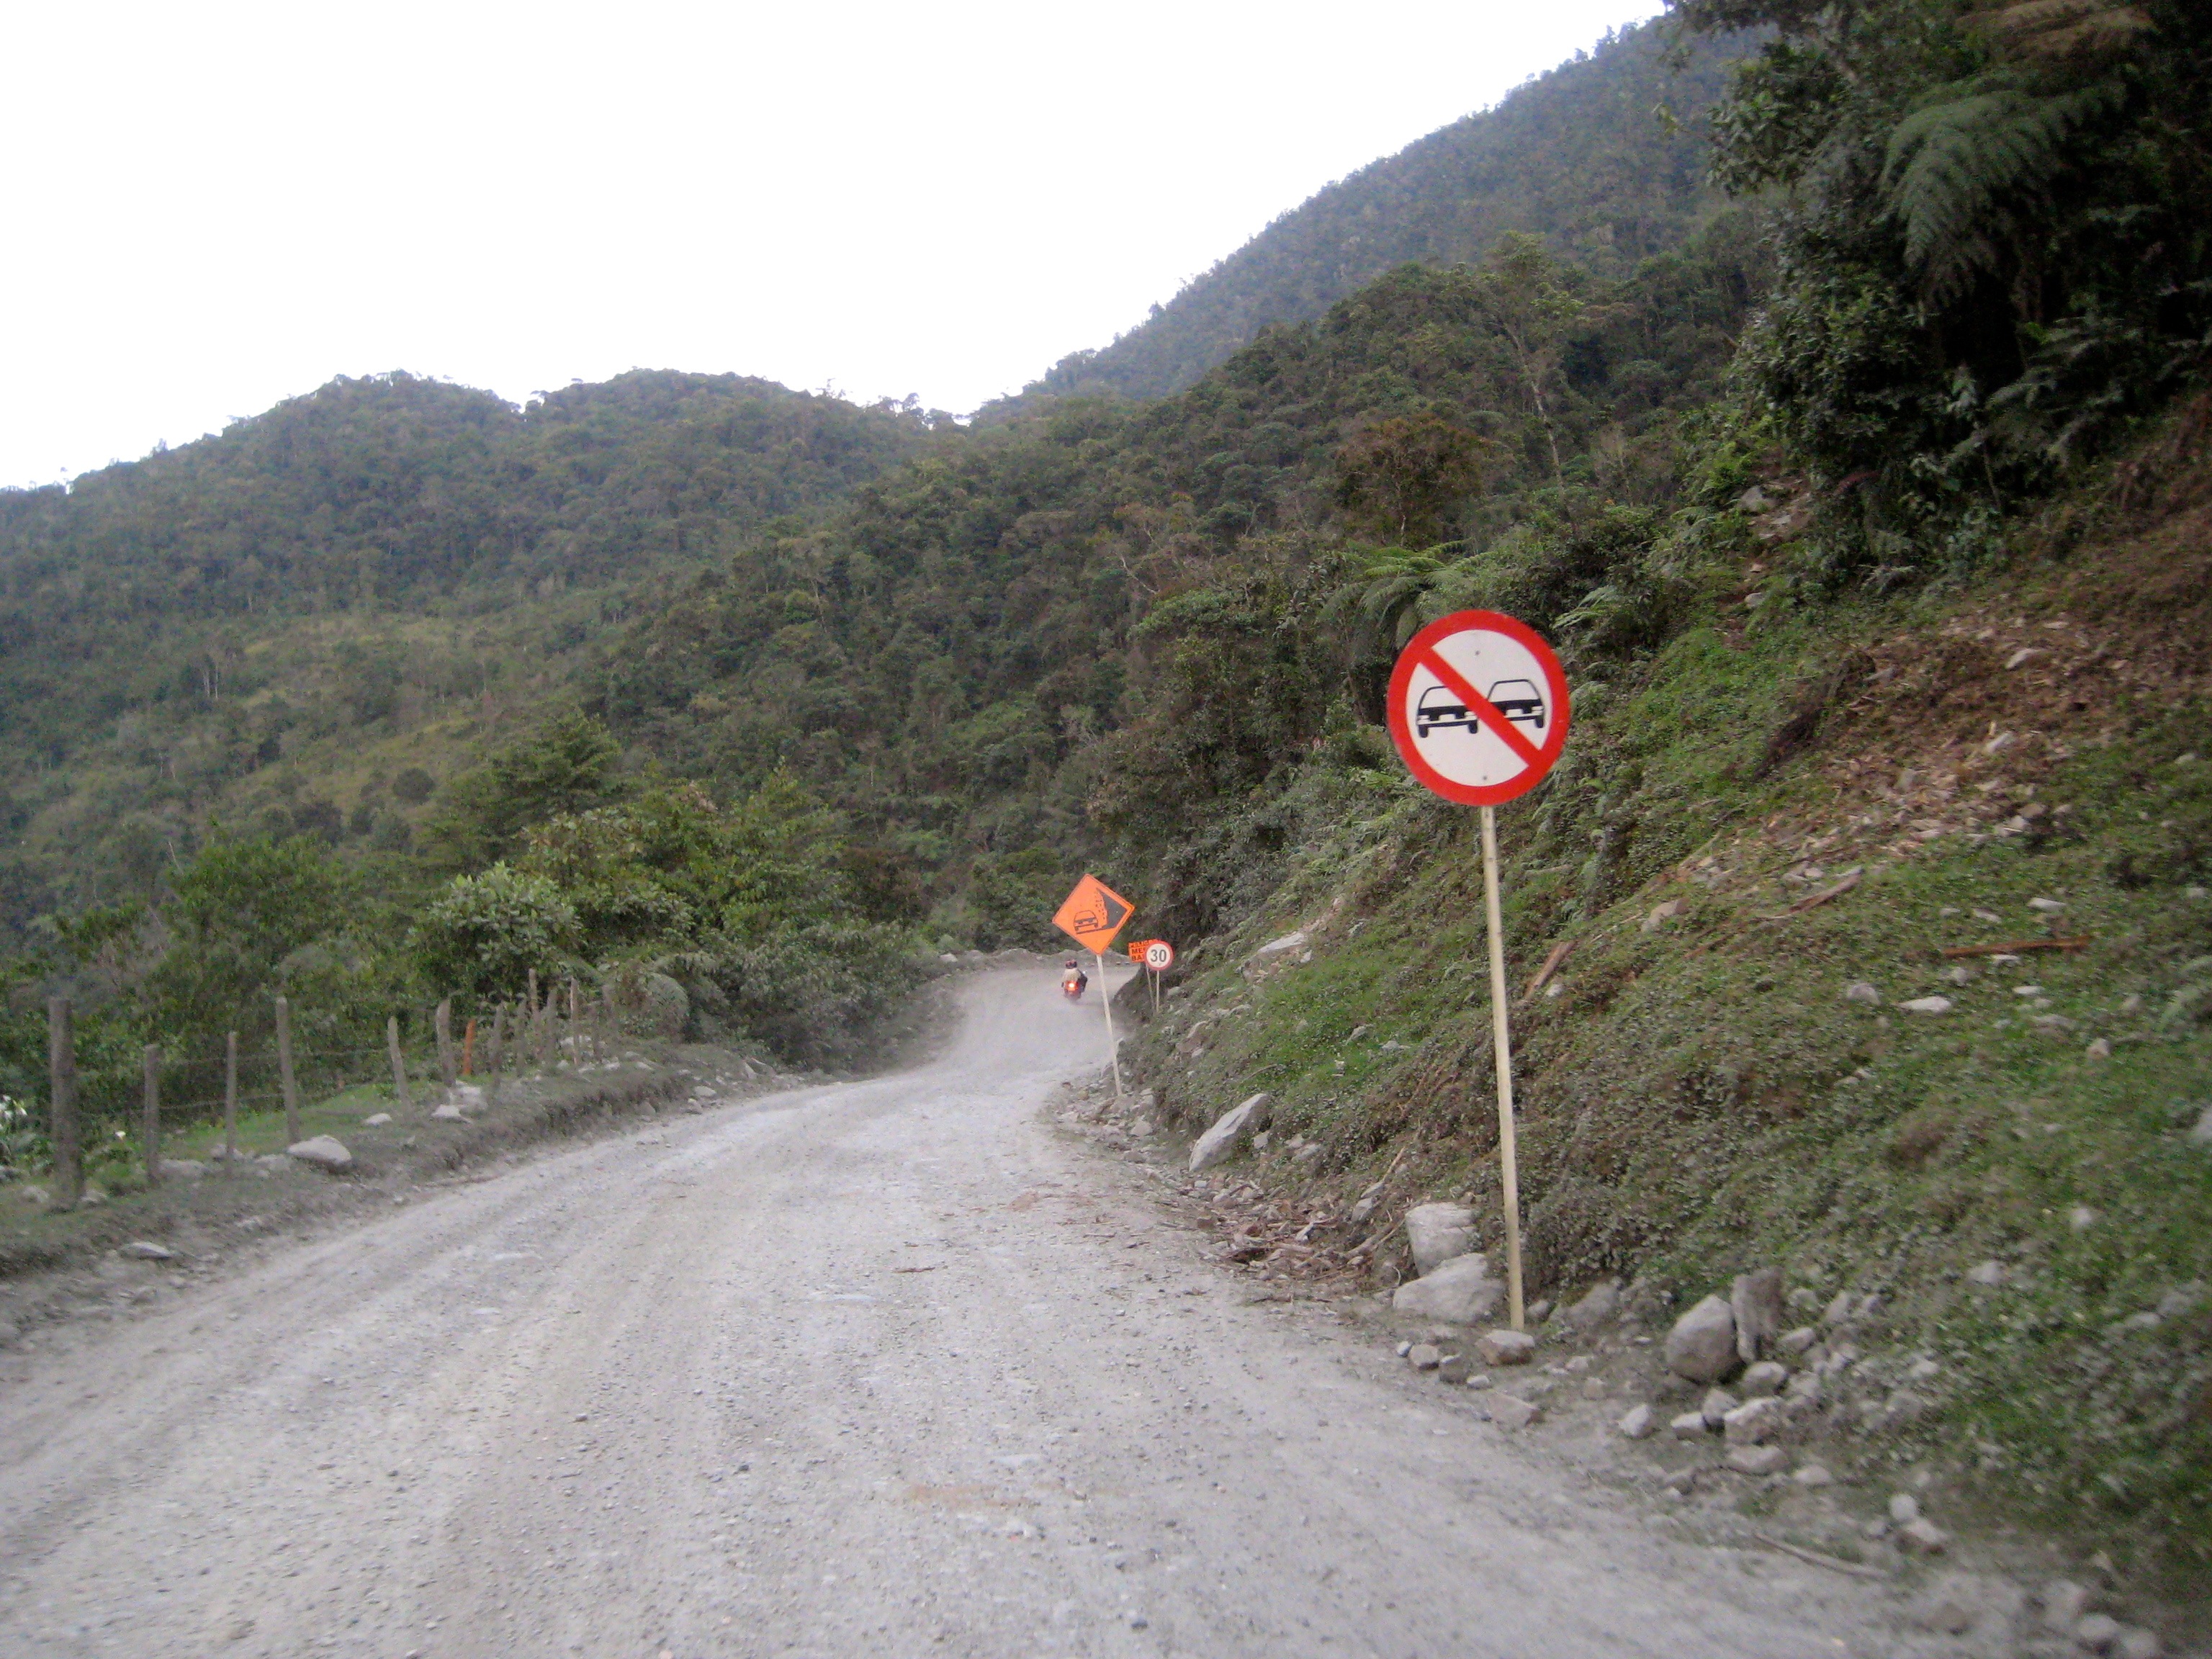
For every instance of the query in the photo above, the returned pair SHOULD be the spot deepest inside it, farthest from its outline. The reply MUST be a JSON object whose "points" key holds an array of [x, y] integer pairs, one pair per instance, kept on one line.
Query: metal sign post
{"points": [[1092, 915], [1479, 712]]}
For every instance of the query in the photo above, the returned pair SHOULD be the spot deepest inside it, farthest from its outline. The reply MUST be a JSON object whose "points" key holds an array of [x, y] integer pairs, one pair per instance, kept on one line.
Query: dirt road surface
{"points": [[895, 1367]]}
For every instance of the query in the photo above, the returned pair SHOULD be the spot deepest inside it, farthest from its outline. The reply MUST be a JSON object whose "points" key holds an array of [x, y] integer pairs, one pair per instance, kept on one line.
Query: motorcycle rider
{"points": [[1073, 980]]}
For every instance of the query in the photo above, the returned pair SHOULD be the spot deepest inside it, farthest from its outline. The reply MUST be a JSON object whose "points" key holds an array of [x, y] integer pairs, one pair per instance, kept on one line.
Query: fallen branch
{"points": [[1559, 954], [1820, 897], [2080, 942], [1818, 1559]]}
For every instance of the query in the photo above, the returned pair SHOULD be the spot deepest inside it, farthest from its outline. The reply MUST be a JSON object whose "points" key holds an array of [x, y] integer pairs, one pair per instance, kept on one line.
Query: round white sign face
{"points": [[1159, 955], [1478, 707]]}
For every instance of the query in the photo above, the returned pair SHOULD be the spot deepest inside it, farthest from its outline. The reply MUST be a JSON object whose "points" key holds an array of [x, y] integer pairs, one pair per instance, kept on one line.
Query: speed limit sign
{"points": [[1159, 955]]}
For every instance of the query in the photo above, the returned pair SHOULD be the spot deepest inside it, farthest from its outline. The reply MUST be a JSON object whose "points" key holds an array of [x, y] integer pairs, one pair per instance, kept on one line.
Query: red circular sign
{"points": [[1478, 707], [1159, 955]]}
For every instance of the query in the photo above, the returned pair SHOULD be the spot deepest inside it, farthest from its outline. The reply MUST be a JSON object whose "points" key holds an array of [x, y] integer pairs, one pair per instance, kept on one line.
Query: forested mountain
{"points": [[328, 593], [1603, 157]]}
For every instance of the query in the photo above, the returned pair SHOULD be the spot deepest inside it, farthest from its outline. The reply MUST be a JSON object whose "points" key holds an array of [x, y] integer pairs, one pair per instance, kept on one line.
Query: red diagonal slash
{"points": [[1482, 708]]}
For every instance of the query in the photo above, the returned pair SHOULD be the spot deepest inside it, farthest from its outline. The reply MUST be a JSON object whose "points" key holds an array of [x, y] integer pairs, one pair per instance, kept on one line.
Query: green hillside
{"points": [[1604, 157]]}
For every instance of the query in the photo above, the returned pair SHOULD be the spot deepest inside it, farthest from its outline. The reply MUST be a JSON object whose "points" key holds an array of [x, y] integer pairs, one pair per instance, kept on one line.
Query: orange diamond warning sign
{"points": [[1093, 914]]}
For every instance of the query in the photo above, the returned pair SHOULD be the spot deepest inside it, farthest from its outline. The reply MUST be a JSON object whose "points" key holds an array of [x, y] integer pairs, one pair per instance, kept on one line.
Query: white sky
{"points": [[214, 206]]}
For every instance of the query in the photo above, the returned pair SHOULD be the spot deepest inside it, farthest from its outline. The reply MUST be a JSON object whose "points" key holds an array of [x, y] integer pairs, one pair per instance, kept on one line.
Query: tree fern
{"points": [[1960, 170]]}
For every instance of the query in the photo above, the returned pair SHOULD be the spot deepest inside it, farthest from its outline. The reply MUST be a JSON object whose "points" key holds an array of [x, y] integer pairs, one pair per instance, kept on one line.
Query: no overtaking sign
{"points": [[1478, 707]]}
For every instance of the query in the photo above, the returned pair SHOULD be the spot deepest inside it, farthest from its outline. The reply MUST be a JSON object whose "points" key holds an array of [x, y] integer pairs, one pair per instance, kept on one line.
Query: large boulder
{"points": [[667, 1008], [1755, 1300], [1219, 1144], [1438, 1232], [1597, 1310], [324, 1151], [1460, 1291], [1702, 1345]]}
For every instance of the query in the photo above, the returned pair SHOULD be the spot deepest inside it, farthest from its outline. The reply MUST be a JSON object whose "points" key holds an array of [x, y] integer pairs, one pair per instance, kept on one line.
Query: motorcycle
{"points": [[1072, 987]]}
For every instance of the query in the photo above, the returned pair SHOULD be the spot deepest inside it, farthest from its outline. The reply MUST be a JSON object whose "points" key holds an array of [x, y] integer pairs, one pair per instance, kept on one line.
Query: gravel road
{"points": [[895, 1367]]}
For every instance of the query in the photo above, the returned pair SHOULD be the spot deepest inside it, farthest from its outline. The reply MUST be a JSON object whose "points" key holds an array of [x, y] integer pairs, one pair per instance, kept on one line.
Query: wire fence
{"points": [[101, 1108]]}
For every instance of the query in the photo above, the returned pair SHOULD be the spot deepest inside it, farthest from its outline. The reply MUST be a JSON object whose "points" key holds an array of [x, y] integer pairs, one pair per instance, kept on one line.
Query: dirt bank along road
{"points": [[894, 1367]]}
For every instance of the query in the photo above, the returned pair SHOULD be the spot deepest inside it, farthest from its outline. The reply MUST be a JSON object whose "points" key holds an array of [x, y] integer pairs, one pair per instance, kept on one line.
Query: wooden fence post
{"points": [[150, 1135], [575, 1029], [61, 1069], [469, 1048], [287, 1080], [399, 1063], [230, 1099], [498, 1053], [532, 1039], [442, 1020]]}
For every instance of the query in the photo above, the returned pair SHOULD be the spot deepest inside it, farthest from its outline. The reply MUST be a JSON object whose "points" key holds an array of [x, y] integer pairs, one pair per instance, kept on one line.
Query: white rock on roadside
{"points": [[1424, 1356], [1702, 1345], [1860, 991], [1923, 1537], [1511, 1411], [1767, 1378], [1689, 1425], [324, 1151], [1437, 1232], [1637, 1423], [1505, 1347], [1987, 1274], [1755, 1423], [1219, 1142], [1597, 1309], [1926, 1005], [376, 1120], [182, 1169], [1813, 1474], [140, 1249], [1757, 1460], [1715, 1407], [1460, 1292], [449, 1112]]}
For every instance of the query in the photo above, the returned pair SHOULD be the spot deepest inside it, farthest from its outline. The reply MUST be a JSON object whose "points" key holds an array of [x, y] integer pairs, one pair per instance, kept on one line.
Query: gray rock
{"points": [[1841, 1310], [275, 1163], [1860, 991], [1757, 1460], [376, 1120], [182, 1169], [1902, 1408], [1597, 1310], [1218, 1144], [1503, 1347], [2097, 1632], [1460, 1292], [1455, 1368], [1797, 1342], [1767, 1378], [1690, 1425], [140, 1249], [2202, 1134], [1987, 1274], [1715, 1407], [1813, 1474], [2137, 1642], [1755, 1299], [91, 1199], [1926, 1005], [2063, 1602], [1539, 1310], [1637, 1422], [324, 1151], [1424, 1356], [1904, 1507], [1923, 1537], [449, 1112], [1702, 1345], [1438, 1232], [1511, 1411], [1681, 1482], [1755, 1423], [1276, 947]]}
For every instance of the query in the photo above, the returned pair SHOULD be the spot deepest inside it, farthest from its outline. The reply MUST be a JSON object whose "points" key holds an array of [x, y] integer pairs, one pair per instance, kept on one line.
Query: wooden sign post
{"points": [[1479, 712]]}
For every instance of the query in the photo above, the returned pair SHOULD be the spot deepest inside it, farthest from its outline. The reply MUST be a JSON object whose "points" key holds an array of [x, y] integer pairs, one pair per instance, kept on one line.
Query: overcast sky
{"points": [[215, 206]]}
